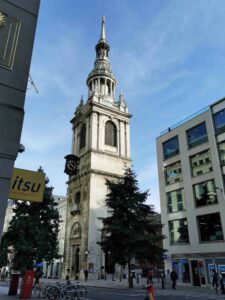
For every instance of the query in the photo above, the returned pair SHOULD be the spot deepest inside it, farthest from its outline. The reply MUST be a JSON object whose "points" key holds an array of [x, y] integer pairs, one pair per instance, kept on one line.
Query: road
{"points": [[112, 294]]}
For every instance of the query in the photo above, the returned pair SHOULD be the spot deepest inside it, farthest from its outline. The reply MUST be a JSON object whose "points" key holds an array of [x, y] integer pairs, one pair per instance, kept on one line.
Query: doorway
{"points": [[195, 273]]}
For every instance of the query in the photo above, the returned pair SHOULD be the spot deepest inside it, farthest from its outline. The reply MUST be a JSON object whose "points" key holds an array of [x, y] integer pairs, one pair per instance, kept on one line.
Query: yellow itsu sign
{"points": [[27, 185]]}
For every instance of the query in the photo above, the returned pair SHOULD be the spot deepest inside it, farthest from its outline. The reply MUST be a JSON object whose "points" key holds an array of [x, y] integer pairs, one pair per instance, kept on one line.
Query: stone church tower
{"points": [[101, 141]]}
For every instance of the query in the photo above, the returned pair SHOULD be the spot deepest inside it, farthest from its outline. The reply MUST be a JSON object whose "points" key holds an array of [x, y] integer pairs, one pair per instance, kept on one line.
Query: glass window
{"points": [[178, 231], [222, 152], [110, 134], [201, 163], [171, 147], [175, 200], [197, 135], [219, 121], [210, 227], [83, 136], [205, 193], [173, 173]]}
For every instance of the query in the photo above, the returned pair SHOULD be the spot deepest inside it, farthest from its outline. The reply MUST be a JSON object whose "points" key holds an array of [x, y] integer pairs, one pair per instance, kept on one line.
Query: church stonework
{"points": [[101, 140]]}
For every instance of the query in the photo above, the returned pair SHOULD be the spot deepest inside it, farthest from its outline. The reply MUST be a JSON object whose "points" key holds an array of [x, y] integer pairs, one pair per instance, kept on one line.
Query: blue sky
{"points": [[167, 55]]}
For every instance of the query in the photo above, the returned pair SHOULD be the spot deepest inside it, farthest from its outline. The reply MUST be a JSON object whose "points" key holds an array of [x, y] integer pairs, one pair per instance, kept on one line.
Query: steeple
{"points": [[101, 80]]}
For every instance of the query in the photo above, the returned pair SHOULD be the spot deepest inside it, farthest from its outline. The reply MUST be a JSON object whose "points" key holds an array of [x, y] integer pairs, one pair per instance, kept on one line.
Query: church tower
{"points": [[101, 145]]}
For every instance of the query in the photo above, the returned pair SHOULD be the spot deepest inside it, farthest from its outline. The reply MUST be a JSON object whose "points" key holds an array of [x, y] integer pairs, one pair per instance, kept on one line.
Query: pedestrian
{"points": [[173, 277], [86, 274], [149, 276], [215, 280], [150, 292], [37, 275]]}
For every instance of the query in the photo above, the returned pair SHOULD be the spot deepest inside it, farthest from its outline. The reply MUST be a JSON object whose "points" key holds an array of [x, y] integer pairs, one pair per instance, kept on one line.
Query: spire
{"points": [[101, 80], [102, 35]]}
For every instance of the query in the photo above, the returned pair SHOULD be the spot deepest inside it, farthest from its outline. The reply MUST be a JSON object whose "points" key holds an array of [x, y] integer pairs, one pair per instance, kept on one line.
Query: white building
{"points": [[101, 140], [54, 270], [191, 157]]}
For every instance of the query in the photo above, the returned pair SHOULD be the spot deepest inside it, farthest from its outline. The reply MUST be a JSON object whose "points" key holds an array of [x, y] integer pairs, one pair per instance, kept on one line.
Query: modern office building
{"points": [[191, 168], [18, 21], [101, 141]]}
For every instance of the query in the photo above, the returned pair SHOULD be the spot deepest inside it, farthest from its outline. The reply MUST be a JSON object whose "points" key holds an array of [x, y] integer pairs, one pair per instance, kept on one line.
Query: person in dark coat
{"points": [[173, 277], [37, 275], [215, 280], [86, 274]]}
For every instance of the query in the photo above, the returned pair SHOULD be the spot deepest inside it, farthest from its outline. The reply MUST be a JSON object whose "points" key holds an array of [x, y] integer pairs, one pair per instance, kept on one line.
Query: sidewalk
{"points": [[201, 292]]}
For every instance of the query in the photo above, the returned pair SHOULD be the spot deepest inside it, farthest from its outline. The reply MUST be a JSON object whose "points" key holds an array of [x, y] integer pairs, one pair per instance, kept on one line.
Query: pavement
{"points": [[182, 290]]}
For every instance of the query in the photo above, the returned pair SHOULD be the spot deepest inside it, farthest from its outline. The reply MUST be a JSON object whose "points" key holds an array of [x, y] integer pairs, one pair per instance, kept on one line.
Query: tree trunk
{"points": [[130, 278]]}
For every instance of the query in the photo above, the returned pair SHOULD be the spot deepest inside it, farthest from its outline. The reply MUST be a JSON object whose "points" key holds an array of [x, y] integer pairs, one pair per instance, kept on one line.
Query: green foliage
{"points": [[133, 228], [3, 252], [33, 231]]}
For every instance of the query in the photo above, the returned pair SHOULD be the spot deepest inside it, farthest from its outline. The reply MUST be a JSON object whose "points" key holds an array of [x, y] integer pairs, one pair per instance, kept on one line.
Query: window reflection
{"points": [[201, 163], [175, 200], [205, 193], [173, 173], [210, 227], [197, 135], [171, 147], [178, 231], [219, 121], [222, 152]]}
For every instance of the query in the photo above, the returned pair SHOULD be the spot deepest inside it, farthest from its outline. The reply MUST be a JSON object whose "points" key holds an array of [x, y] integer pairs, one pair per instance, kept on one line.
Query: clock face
{"points": [[71, 165]]}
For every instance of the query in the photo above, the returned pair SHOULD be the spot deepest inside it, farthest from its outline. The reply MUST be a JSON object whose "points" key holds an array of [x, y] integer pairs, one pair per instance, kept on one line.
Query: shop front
{"points": [[181, 266]]}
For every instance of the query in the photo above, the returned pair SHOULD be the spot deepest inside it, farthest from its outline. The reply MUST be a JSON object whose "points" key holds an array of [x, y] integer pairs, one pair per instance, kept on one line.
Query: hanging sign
{"points": [[27, 185]]}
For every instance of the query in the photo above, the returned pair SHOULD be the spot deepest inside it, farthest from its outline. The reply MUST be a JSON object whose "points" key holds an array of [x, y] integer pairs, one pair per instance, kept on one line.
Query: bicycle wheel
{"points": [[53, 293]]}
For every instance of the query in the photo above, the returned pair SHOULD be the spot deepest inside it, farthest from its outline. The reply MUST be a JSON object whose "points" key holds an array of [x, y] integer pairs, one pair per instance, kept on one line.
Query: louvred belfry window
{"points": [[83, 137], [110, 134]]}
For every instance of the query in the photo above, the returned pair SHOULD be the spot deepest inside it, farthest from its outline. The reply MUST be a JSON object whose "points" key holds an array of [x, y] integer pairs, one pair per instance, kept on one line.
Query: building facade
{"points": [[191, 157], [18, 21], [54, 270], [101, 141]]}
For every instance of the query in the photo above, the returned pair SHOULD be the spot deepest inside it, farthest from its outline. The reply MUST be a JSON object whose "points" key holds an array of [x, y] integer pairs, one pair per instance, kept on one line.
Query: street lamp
{"points": [[86, 252]]}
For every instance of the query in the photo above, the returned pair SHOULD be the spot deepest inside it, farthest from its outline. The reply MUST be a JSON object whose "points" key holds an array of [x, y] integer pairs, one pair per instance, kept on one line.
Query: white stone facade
{"points": [[99, 160], [197, 167]]}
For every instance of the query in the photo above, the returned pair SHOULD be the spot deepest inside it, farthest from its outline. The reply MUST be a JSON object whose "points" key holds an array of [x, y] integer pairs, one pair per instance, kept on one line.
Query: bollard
{"points": [[137, 277]]}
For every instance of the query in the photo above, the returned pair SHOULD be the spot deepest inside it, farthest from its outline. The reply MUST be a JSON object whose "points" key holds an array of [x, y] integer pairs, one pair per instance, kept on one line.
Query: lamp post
{"points": [[86, 252]]}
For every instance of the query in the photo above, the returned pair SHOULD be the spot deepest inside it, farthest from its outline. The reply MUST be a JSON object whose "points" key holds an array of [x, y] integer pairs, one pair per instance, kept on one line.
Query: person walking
{"points": [[150, 276], [173, 277], [150, 291], [215, 280], [86, 274], [37, 275]]}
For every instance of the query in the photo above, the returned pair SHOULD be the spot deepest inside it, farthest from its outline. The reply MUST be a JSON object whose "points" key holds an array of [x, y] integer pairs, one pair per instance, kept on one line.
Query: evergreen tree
{"points": [[132, 229], [33, 231]]}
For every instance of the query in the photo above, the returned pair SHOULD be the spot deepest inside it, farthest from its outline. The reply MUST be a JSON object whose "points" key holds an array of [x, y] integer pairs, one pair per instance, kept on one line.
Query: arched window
{"points": [[110, 134], [83, 137]]}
